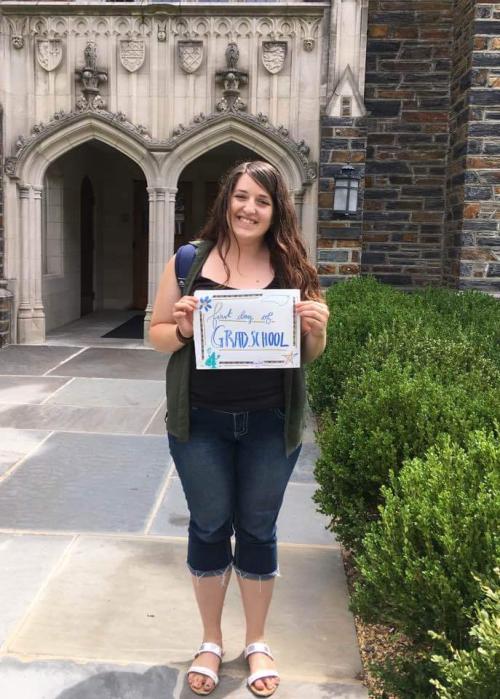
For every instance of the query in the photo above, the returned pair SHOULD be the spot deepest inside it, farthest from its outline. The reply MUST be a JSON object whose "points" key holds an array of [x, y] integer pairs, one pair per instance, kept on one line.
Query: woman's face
{"points": [[250, 209]]}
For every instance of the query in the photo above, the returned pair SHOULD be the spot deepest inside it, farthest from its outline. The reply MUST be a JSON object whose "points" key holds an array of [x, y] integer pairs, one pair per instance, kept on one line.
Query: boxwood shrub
{"points": [[468, 674], [438, 536], [359, 308], [393, 412]]}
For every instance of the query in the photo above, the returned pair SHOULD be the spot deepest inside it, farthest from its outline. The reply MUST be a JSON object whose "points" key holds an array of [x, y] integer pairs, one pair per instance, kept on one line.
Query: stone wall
{"points": [[407, 96], [473, 230], [343, 140]]}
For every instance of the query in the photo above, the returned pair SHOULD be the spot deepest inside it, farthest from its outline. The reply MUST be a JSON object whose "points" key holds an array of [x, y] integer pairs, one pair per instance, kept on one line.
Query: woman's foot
{"points": [[261, 661], [208, 659]]}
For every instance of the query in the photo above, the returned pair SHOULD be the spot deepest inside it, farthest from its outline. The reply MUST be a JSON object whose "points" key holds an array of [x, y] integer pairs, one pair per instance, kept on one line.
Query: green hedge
{"points": [[439, 527], [469, 674], [361, 309], [388, 414]]}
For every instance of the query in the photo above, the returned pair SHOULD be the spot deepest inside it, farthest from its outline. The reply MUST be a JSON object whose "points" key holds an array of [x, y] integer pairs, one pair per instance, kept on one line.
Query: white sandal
{"points": [[260, 674], [206, 647]]}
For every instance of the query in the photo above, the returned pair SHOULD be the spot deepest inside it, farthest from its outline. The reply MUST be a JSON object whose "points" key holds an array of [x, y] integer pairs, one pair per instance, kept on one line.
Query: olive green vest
{"points": [[178, 369]]}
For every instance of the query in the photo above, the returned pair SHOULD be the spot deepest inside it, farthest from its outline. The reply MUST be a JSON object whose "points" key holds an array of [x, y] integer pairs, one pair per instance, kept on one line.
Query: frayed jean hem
{"points": [[256, 576], [199, 574]]}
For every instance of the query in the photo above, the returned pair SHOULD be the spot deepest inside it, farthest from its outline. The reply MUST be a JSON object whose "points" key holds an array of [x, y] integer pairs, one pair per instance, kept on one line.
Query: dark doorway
{"points": [[87, 247], [140, 245]]}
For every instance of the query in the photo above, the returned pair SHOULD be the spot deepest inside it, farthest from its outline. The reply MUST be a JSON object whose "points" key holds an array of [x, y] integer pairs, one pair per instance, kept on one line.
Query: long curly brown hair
{"points": [[288, 254]]}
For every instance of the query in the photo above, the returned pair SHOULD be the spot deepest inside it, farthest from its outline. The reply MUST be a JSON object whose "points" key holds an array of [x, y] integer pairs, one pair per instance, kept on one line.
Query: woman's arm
{"points": [[313, 319], [171, 311]]}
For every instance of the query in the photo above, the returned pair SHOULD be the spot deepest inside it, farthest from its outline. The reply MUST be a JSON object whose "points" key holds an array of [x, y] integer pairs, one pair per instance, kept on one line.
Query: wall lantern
{"points": [[346, 191]]}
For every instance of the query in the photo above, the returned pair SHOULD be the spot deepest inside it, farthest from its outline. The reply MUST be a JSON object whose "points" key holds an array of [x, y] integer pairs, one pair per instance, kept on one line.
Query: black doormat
{"points": [[132, 329]]}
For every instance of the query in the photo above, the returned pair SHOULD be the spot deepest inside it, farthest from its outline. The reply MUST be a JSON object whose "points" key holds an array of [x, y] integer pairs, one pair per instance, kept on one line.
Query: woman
{"points": [[235, 435]]}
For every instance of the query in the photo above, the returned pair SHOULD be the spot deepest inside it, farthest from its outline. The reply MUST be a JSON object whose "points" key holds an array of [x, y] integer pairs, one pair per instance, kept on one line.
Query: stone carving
{"points": [[162, 32], [273, 55], [310, 29], [18, 28], [231, 78], [10, 166], [49, 53], [190, 55], [90, 76], [300, 150], [132, 53]]}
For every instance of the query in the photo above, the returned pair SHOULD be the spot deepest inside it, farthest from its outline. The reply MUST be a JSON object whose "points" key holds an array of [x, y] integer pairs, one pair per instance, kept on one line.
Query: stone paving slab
{"points": [[304, 468], [15, 444], [102, 393], [298, 521], [111, 363], [21, 389], [70, 418], [32, 360], [25, 562], [78, 482], [57, 679], [157, 425], [128, 600]]}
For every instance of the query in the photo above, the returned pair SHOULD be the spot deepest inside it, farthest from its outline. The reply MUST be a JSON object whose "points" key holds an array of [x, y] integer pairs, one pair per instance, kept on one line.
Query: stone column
{"points": [[24, 314], [36, 266], [161, 242]]}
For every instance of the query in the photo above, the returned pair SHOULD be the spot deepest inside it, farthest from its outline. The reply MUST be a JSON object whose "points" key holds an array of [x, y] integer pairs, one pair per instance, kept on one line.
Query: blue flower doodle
{"points": [[205, 303]]}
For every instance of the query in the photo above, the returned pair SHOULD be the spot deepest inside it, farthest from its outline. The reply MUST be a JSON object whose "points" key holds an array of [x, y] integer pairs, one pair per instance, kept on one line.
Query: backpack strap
{"points": [[184, 258]]}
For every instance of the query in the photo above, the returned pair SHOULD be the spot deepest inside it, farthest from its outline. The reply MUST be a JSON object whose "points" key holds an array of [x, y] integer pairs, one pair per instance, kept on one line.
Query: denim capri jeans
{"points": [[234, 471]]}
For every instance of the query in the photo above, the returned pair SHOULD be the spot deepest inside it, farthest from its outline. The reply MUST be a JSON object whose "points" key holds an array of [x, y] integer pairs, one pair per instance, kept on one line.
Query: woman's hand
{"points": [[183, 314], [313, 317]]}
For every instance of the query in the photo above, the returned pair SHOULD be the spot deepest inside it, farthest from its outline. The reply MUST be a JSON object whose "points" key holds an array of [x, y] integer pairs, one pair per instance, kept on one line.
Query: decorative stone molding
{"points": [[18, 28], [41, 131], [190, 55], [308, 45], [297, 149], [49, 53], [91, 77], [231, 79], [188, 26], [273, 55]]}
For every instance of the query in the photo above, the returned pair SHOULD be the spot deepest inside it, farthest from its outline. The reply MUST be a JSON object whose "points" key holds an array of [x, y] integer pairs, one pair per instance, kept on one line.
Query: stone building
{"points": [[119, 118]]}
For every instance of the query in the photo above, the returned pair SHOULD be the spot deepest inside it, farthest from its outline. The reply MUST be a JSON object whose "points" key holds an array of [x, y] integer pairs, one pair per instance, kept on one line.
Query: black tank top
{"points": [[234, 390]]}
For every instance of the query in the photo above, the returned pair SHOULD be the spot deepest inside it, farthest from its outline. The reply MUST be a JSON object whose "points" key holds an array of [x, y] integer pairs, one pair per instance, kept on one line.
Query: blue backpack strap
{"points": [[183, 260]]}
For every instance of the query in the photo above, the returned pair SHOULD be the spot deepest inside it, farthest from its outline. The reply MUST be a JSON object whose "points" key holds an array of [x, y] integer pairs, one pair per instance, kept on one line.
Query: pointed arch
{"points": [[213, 133], [34, 160]]}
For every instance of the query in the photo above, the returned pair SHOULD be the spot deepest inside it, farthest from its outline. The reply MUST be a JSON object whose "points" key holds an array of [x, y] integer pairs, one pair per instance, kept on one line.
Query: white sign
{"points": [[247, 329]]}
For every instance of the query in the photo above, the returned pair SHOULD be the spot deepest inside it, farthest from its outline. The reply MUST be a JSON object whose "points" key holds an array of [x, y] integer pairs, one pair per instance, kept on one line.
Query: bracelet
{"points": [[181, 337]]}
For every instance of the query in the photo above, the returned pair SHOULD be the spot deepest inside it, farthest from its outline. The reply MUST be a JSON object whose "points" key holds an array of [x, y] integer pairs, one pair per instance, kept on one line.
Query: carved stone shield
{"points": [[132, 53], [190, 55], [49, 53], [273, 55]]}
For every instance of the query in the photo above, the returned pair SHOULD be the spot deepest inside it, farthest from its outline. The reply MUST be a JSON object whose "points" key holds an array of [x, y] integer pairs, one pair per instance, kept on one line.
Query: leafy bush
{"points": [[363, 308], [388, 414], [439, 531], [469, 674], [477, 314], [359, 308]]}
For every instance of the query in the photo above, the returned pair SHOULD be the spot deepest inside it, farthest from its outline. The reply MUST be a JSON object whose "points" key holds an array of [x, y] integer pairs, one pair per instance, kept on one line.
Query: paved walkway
{"points": [[95, 599]]}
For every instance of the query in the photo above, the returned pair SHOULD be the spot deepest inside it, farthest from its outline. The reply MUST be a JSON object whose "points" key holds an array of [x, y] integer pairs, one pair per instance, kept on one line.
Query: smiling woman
{"points": [[235, 435]]}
